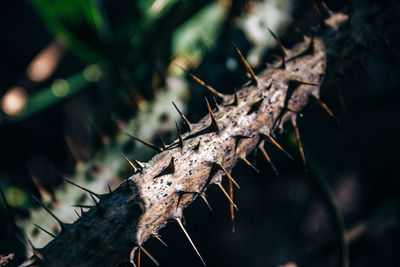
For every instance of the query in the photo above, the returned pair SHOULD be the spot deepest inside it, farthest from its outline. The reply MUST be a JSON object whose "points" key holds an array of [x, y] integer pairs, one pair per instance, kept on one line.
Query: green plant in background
{"points": [[127, 49], [80, 25]]}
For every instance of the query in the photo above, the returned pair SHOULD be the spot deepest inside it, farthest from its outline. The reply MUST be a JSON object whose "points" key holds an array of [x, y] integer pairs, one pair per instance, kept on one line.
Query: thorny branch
{"points": [[163, 187]]}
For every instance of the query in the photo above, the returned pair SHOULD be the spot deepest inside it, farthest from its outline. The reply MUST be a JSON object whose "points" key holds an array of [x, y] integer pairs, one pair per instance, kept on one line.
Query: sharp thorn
{"points": [[148, 255], [42, 191], [164, 146], [97, 203], [81, 210], [130, 163], [196, 147], [294, 111], [238, 138], [281, 47], [81, 206], [278, 42], [132, 256], [139, 164], [190, 240], [254, 107], [231, 206], [139, 257], [179, 135], [227, 196], [203, 196], [84, 189], [109, 189], [245, 161], [318, 12], [44, 230], [325, 107], [206, 86], [227, 174], [158, 149], [213, 170], [216, 104], [299, 144], [266, 156], [249, 70], [236, 99], [214, 124], [299, 82], [168, 169], [275, 143], [62, 225], [159, 239], [326, 9], [77, 214], [185, 120]]}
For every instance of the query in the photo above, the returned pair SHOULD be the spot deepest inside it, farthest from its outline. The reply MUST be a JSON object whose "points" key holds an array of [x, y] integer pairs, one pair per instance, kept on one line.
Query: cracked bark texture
{"points": [[153, 196]]}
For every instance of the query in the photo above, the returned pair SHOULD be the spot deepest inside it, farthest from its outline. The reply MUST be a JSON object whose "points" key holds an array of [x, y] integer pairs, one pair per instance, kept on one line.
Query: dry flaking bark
{"points": [[170, 181]]}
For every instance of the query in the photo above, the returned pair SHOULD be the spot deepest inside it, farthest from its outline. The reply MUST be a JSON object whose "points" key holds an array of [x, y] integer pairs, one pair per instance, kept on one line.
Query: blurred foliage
{"points": [[128, 43], [58, 91], [199, 32], [81, 25]]}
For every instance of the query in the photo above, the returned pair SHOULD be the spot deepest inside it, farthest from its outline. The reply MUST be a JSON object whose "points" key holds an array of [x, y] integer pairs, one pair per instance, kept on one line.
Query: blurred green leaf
{"points": [[199, 31], [58, 91], [79, 24]]}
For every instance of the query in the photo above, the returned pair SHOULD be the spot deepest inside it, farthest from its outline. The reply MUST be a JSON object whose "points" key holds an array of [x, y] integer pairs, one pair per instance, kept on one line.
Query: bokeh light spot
{"points": [[13, 101], [15, 197], [92, 73], [60, 88], [45, 63]]}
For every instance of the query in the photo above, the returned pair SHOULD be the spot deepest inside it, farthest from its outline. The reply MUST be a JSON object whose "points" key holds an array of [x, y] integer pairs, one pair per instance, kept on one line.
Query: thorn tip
{"points": [[185, 120], [130, 163], [227, 174], [249, 70], [248, 163], [147, 143], [190, 240], [276, 144], [62, 225], [206, 86], [214, 123], [179, 135], [227, 196], [168, 169]]}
